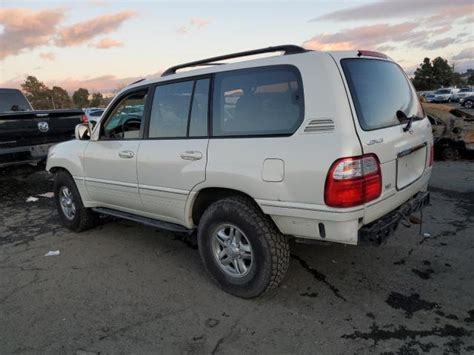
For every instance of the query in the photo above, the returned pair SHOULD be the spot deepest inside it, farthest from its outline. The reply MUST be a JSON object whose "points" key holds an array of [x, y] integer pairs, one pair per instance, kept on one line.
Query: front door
{"points": [[172, 157], [111, 161]]}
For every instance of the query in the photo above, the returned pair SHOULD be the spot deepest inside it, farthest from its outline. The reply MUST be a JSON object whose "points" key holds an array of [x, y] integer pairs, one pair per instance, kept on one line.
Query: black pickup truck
{"points": [[25, 134]]}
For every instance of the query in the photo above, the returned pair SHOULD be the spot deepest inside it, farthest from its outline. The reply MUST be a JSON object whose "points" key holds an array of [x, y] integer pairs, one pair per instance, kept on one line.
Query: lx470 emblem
{"points": [[375, 141]]}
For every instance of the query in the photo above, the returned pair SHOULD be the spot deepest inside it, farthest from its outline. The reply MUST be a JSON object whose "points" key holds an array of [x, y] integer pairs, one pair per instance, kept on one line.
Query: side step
{"points": [[144, 220]]}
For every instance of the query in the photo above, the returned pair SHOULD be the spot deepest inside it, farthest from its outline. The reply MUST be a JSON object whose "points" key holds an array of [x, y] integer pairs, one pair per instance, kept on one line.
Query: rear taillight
{"points": [[431, 154], [84, 119], [353, 181]]}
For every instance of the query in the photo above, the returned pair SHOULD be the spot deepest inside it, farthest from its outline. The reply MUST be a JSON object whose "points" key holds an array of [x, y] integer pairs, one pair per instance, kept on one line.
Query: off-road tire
{"points": [[271, 248], [85, 218]]}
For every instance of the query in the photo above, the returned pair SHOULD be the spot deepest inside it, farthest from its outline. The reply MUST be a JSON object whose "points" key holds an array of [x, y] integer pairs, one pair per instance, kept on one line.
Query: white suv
{"points": [[327, 146]]}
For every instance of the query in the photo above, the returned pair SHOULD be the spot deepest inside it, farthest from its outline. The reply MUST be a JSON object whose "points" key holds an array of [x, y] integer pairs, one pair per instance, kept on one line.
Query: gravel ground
{"points": [[126, 288]]}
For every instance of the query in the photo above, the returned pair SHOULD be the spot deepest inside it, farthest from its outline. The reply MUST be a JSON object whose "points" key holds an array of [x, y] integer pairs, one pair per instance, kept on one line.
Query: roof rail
{"points": [[136, 82], [286, 49]]}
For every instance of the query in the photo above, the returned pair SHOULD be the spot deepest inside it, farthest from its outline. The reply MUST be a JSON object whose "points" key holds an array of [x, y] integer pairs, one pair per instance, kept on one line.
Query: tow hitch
{"points": [[378, 231]]}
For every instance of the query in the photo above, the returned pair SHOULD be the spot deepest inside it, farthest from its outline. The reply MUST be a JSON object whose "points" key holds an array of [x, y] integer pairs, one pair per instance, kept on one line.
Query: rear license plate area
{"points": [[410, 165]]}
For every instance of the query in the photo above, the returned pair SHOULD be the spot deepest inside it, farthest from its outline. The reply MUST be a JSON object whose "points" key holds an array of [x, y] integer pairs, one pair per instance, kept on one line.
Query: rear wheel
{"points": [[241, 248], [450, 153], [468, 104], [72, 212]]}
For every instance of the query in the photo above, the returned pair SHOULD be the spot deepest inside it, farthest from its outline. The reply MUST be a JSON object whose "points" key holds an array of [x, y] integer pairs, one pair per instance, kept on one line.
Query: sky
{"points": [[103, 45]]}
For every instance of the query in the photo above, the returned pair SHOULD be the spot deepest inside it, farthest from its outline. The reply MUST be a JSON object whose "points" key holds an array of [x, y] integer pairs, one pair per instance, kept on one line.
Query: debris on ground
{"points": [[32, 199], [47, 195], [52, 253]]}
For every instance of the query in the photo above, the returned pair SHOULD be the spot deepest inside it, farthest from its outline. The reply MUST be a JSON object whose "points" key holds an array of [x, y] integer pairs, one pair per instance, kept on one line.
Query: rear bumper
{"points": [[24, 155], [378, 231]]}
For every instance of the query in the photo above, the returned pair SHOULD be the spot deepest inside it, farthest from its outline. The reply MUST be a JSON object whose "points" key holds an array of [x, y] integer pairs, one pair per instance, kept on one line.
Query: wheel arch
{"points": [[207, 196]]}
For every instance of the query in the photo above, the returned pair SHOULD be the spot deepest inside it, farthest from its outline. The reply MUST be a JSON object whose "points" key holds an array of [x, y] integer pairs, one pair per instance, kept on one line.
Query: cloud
{"points": [[365, 37], [106, 43], [465, 54], [182, 30], [396, 9], [48, 56], [84, 31], [194, 23], [200, 22], [27, 29], [438, 44]]}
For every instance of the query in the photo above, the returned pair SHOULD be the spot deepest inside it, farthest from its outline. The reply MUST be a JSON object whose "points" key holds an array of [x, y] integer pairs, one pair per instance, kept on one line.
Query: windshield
{"points": [[443, 92], [13, 100], [379, 89], [465, 90]]}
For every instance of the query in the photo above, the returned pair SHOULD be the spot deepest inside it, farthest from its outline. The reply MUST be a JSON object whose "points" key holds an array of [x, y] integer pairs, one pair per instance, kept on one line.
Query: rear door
{"points": [[388, 117], [172, 157]]}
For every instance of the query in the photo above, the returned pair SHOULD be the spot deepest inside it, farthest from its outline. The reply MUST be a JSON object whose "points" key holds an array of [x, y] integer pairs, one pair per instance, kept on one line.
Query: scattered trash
{"points": [[52, 253], [47, 195], [426, 235], [32, 199]]}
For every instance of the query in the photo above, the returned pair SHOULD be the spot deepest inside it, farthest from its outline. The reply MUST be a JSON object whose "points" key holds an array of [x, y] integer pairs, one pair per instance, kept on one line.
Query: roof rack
{"points": [[286, 49]]}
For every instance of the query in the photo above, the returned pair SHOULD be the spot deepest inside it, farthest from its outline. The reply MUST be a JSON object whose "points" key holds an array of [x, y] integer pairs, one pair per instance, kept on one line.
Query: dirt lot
{"points": [[127, 288]]}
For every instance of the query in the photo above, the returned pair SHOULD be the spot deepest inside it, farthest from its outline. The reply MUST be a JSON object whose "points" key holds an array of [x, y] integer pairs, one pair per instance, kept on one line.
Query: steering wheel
{"points": [[132, 123]]}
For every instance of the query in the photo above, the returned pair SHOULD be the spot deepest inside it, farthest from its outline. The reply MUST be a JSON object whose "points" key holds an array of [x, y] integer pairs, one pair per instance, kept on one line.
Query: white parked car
{"points": [[252, 154], [463, 93], [444, 95]]}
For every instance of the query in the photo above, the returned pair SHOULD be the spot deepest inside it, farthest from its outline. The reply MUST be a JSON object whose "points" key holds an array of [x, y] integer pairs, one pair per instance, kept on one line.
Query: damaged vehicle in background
{"points": [[453, 130], [26, 134], [325, 146]]}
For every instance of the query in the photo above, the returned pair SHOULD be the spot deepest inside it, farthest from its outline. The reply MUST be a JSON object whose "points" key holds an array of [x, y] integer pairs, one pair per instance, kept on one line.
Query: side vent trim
{"points": [[323, 125]]}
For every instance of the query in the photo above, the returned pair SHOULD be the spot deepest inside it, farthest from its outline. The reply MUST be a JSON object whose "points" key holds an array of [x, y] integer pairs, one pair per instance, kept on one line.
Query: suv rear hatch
{"points": [[390, 123]]}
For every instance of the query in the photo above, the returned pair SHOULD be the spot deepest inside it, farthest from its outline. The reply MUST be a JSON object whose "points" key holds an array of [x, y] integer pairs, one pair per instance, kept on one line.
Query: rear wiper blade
{"points": [[402, 117]]}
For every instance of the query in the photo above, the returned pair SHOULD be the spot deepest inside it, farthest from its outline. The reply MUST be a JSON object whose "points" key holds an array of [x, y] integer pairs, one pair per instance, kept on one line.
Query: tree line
{"points": [[42, 97], [432, 75]]}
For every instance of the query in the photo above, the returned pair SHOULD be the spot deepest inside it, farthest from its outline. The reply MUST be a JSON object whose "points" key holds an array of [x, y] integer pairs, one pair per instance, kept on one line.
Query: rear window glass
{"points": [[13, 100], [258, 101], [379, 89]]}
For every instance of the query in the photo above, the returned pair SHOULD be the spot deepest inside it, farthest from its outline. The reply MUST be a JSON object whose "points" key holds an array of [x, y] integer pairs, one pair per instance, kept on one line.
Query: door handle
{"points": [[191, 155], [126, 154]]}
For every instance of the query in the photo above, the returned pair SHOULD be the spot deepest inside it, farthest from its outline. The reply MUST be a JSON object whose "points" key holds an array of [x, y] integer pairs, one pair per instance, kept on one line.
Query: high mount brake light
{"points": [[353, 181], [371, 54]]}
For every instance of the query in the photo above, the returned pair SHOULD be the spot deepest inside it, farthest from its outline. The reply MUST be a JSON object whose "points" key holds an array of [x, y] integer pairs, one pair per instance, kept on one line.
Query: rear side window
{"points": [[257, 101], [170, 110], [199, 109], [379, 89]]}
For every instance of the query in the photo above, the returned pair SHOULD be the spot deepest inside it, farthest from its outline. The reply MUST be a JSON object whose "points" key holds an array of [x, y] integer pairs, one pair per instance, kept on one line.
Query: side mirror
{"points": [[82, 131]]}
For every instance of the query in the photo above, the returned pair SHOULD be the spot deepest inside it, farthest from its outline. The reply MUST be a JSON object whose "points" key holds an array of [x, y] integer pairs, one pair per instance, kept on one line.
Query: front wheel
{"points": [[468, 104], [241, 248], [72, 212]]}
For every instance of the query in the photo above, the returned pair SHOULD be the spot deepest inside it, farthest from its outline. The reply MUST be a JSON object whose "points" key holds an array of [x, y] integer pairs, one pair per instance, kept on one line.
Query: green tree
{"points": [[470, 78], [37, 93], [60, 97], [80, 97], [423, 78], [96, 100], [443, 73]]}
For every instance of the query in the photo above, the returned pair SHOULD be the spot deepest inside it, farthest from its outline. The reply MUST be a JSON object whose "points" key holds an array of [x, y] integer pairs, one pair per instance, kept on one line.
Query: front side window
{"points": [[261, 101], [126, 118]]}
